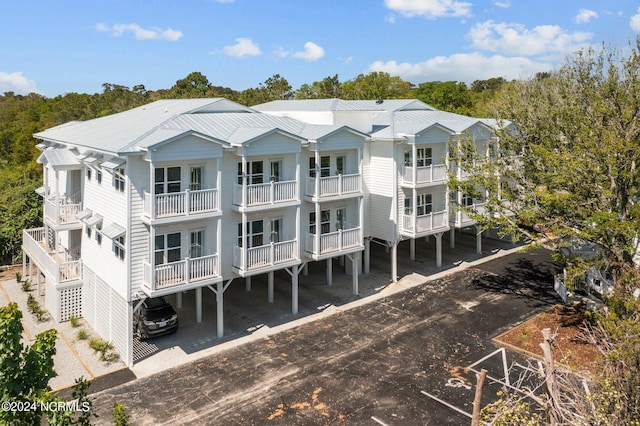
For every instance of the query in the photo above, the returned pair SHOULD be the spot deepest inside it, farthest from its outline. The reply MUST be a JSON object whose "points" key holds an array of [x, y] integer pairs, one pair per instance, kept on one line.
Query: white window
{"points": [[255, 172], [276, 230], [88, 230], [99, 176], [118, 179], [341, 218], [325, 166], [118, 246], [255, 234], [276, 170], [167, 179], [88, 173], [325, 222], [423, 204], [341, 164], [168, 248], [196, 178], [423, 157], [467, 200], [196, 244], [99, 233]]}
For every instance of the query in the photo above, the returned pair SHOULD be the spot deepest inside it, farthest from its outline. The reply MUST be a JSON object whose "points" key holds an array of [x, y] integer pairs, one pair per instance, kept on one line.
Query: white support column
{"points": [[329, 271], [220, 308], [355, 257], [394, 262], [412, 249], [199, 305], [294, 289], [452, 237], [179, 300], [478, 240], [439, 249], [270, 277], [247, 283], [367, 256], [30, 270], [24, 266]]}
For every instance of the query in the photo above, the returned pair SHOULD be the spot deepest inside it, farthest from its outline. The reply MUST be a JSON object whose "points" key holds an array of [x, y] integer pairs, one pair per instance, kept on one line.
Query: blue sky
{"points": [[62, 46]]}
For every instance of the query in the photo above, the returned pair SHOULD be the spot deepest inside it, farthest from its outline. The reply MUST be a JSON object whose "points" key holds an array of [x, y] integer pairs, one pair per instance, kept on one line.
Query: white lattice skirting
{"points": [[64, 302]]}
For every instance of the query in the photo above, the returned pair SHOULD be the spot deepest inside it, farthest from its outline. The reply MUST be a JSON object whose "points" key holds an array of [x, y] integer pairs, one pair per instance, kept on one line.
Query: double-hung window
{"points": [[423, 204], [255, 234], [167, 179], [118, 246], [255, 172], [325, 222], [168, 248], [118, 179]]}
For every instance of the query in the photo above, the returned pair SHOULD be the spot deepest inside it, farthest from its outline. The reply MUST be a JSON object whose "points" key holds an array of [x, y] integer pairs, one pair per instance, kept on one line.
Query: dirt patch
{"points": [[568, 348]]}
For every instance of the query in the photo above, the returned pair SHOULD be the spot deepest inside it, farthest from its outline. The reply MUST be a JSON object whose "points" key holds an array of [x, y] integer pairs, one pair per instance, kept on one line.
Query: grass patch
{"points": [[82, 334], [75, 321], [104, 348], [35, 308]]}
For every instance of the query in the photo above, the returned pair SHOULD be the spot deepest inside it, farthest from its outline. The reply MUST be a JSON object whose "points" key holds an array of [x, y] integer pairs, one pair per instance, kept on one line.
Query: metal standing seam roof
{"points": [[119, 133], [59, 158]]}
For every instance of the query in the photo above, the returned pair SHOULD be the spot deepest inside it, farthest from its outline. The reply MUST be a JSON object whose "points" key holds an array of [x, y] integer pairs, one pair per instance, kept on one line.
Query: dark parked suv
{"points": [[155, 318]]}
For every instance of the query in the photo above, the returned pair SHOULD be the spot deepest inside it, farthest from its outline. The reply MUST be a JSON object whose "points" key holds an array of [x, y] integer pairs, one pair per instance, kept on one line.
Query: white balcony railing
{"points": [[181, 273], [461, 218], [185, 203], [425, 174], [334, 242], [331, 186], [62, 212], [62, 267], [262, 194], [420, 224], [269, 255]]}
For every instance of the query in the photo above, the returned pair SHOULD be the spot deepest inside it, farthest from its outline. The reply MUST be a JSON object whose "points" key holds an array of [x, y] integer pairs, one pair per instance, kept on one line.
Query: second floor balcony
{"points": [[176, 205], [61, 266], [419, 226], [181, 275], [266, 195], [251, 260], [61, 210], [460, 218], [414, 176]]}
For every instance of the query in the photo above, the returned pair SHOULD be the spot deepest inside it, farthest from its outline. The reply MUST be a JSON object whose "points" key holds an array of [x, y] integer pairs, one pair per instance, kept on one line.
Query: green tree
{"points": [[449, 96], [376, 85], [327, 88], [570, 170], [25, 372]]}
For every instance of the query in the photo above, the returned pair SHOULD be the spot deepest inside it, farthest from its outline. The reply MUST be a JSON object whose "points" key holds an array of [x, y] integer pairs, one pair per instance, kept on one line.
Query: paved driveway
{"points": [[363, 366]]}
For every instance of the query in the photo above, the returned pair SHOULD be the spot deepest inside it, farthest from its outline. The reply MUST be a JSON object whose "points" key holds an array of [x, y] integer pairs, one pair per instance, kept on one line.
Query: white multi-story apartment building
{"points": [[406, 166], [183, 195]]}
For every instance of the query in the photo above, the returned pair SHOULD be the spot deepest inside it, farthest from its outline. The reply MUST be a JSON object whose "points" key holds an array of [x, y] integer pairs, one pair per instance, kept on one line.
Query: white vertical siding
{"points": [[380, 186], [107, 313], [111, 204], [139, 233]]}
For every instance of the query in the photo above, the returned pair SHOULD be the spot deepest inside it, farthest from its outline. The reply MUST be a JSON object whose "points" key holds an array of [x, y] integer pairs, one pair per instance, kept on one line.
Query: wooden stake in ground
{"points": [[475, 419], [550, 375]]}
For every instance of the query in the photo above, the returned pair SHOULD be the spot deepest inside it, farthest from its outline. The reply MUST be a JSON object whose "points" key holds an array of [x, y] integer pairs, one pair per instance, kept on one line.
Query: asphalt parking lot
{"points": [[366, 365]]}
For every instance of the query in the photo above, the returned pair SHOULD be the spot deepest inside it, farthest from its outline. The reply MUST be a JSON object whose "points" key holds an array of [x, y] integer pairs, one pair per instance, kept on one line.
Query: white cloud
{"points": [[117, 30], [429, 8], [505, 4], [243, 47], [585, 15], [518, 40], [16, 82], [312, 52], [464, 67], [634, 22]]}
